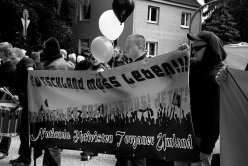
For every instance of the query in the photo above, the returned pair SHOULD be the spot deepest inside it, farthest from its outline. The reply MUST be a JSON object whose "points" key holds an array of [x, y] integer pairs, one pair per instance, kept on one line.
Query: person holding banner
{"points": [[135, 48], [7, 70], [207, 57], [94, 65], [135, 51], [23, 65]]}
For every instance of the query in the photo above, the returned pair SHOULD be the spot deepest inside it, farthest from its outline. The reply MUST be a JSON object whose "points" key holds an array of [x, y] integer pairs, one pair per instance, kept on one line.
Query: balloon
{"points": [[102, 49], [110, 26], [123, 9]]}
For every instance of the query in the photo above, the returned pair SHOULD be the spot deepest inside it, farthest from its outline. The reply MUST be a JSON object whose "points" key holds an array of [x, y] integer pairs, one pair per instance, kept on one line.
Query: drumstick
{"points": [[3, 90], [8, 91]]}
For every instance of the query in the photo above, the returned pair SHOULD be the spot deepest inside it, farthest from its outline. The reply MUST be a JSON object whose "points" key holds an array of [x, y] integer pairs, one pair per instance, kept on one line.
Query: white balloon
{"points": [[110, 26], [102, 49]]}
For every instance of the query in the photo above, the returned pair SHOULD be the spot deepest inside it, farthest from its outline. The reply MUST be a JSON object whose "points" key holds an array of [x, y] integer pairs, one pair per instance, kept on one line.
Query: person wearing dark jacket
{"points": [[207, 57], [53, 60], [23, 65], [135, 48], [91, 64], [7, 75]]}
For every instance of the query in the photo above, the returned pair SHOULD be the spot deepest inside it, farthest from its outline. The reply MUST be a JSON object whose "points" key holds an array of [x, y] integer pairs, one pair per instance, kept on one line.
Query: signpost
{"points": [[25, 22]]}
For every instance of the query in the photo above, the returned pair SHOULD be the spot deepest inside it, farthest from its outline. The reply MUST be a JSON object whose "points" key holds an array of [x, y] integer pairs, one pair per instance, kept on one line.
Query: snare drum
{"points": [[10, 118]]}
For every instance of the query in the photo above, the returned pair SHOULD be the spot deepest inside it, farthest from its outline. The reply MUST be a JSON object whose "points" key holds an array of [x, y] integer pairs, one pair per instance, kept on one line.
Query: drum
{"points": [[10, 118]]}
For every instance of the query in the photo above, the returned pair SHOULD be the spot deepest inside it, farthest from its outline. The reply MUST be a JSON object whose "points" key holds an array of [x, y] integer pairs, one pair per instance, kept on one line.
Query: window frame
{"points": [[80, 46], [186, 15], [81, 16], [149, 14], [148, 48]]}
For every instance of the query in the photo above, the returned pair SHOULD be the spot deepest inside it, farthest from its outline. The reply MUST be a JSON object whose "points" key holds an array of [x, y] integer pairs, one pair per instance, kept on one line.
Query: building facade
{"points": [[164, 23]]}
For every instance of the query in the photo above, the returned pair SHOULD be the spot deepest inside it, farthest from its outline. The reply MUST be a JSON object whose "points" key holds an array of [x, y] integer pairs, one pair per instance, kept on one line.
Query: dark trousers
{"points": [[52, 157], [24, 149], [130, 161], [5, 144]]}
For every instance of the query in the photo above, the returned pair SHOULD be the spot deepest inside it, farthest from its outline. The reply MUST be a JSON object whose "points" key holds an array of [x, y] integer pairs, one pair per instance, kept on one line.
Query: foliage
{"points": [[222, 24], [44, 23], [238, 10]]}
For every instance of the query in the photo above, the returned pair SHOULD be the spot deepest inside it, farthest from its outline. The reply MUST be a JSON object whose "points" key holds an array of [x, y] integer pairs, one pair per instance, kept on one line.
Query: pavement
{"points": [[69, 157], [237, 57]]}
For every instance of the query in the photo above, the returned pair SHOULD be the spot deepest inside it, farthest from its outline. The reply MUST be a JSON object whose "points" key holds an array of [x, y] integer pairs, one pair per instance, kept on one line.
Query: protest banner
{"points": [[234, 119], [139, 109]]}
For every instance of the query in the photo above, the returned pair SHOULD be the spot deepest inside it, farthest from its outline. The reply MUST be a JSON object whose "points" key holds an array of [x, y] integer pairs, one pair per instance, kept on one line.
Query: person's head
{"points": [[80, 58], [35, 56], [93, 61], [117, 51], [118, 54], [135, 46], [207, 48], [72, 57], [63, 52], [15, 55], [51, 50], [4, 50]]}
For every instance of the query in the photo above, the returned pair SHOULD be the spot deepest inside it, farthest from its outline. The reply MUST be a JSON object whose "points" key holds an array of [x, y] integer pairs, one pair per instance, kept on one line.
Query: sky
{"points": [[201, 2]]}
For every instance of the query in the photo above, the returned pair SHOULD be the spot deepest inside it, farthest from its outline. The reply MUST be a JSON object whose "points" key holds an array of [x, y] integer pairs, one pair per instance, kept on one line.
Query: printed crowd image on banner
{"points": [[140, 109]]}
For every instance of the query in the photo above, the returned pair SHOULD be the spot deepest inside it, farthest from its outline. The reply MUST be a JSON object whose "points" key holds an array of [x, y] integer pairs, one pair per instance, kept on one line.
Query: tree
{"points": [[222, 24], [238, 10], [44, 23]]}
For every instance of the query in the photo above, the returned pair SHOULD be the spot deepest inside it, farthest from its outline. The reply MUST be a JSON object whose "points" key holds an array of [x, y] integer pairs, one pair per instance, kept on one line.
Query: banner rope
{"points": [[237, 84]]}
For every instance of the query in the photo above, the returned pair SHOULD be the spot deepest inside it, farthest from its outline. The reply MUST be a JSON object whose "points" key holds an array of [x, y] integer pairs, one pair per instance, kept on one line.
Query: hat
{"points": [[215, 46], [201, 36], [51, 48]]}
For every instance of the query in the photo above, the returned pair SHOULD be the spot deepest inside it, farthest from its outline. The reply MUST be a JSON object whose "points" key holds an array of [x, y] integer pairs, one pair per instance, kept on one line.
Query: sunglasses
{"points": [[198, 48]]}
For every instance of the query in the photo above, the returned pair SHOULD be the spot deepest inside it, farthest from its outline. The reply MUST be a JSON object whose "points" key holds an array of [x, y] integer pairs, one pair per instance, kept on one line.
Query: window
{"points": [[151, 48], [84, 46], [153, 13], [84, 11], [185, 20]]}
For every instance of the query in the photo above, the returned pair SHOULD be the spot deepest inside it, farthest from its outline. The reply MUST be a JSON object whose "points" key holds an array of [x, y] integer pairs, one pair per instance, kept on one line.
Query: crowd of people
{"points": [[207, 55]]}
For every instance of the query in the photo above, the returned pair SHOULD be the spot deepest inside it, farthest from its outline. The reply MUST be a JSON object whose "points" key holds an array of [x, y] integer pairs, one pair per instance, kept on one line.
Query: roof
{"points": [[193, 3]]}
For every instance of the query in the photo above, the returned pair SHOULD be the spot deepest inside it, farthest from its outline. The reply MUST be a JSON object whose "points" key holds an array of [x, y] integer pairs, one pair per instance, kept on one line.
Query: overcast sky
{"points": [[200, 1]]}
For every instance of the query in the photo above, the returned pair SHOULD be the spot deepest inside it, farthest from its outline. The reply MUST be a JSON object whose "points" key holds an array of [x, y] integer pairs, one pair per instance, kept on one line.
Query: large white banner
{"points": [[137, 109]]}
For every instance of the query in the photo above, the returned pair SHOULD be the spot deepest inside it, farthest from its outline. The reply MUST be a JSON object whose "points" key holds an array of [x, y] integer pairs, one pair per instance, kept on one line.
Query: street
{"points": [[69, 157]]}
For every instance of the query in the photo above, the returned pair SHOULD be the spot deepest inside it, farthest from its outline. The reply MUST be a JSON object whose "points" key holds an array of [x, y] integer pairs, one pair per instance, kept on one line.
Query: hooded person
{"points": [[53, 60], [51, 56], [206, 60]]}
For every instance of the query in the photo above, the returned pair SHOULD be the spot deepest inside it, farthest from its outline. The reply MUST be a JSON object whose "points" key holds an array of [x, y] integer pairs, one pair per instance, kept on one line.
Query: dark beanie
{"points": [[51, 49]]}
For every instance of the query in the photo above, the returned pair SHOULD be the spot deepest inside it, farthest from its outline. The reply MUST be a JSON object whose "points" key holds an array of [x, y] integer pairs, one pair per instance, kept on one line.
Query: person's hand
{"points": [[206, 159], [183, 46], [15, 98], [221, 75]]}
